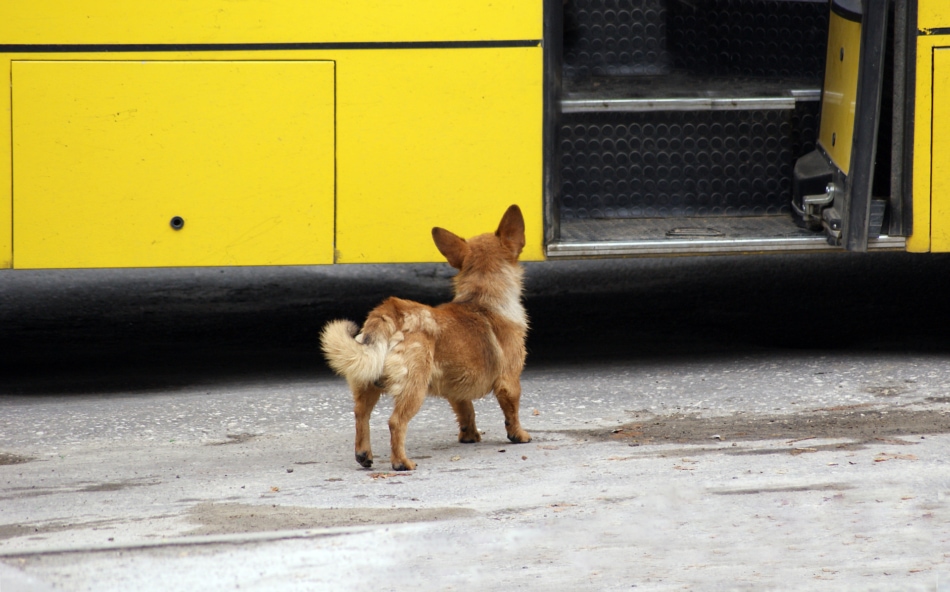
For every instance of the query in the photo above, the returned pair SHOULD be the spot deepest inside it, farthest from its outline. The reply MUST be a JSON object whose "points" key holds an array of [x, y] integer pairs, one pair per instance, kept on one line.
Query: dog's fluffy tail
{"points": [[359, 360]]}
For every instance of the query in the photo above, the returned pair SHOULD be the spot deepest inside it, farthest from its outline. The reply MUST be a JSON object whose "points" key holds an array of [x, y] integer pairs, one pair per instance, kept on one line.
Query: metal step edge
{"points": [[689, 103], [633, 248]]}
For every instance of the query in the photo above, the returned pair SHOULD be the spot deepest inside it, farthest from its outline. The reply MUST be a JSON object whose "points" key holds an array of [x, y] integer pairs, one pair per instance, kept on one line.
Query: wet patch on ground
{"points": [[40, 530], [27, 492], [888, 390], [234, 439], [858, 423], [234, 518], [82, 487], [116, 485], [786, 489], [7, 458]]}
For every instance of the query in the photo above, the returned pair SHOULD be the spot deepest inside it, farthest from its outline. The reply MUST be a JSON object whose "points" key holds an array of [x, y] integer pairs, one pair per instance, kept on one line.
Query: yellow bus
{"points": [[300, 132]]}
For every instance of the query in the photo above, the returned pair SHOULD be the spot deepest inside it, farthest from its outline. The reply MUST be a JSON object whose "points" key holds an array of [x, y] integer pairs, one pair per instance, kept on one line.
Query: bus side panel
{"points": [[41, 22], [940, 159], [433, 137], [931, 174], [6, 177], [432, 129], [919, 241], [134, 163], [436, 138], [933, 14]]}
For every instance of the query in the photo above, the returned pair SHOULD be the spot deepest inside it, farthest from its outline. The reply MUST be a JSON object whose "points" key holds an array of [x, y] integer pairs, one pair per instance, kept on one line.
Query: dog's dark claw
{"points": [[406, 465], [364, 459], [518, 440]]}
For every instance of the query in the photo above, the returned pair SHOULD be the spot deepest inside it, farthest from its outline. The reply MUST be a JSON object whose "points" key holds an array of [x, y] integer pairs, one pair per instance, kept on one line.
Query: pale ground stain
{"points": [[237, 518], [858, 423]]}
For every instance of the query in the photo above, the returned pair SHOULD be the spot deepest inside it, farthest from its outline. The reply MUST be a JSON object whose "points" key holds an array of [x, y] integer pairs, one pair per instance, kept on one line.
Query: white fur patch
{"points": [[511, 307]]}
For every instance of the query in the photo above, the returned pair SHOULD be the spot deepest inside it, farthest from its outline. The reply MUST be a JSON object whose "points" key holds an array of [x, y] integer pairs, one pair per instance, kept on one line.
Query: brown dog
{"points": [[460, 350]]}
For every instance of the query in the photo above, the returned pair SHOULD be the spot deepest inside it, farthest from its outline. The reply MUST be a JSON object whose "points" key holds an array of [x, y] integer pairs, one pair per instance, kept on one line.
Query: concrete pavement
{"points": [[253, 486], [176, 430]]}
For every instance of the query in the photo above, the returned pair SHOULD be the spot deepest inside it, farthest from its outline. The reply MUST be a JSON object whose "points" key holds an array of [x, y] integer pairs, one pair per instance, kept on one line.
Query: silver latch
{"points": [[821, 199]]}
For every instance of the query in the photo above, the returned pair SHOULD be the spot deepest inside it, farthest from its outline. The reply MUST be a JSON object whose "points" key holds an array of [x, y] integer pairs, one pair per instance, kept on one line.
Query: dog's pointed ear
{"points": [[453, 247], [511, 229]]}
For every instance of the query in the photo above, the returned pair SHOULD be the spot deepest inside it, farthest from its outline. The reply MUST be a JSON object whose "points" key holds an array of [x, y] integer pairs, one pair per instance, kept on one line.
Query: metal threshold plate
{"points": [[683, 93], [693, 236]]}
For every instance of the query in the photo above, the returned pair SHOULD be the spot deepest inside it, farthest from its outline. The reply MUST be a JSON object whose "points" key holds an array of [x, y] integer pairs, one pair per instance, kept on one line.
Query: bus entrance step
{"points": [[675, 164], [695, 236], [684, 92], [784, 38]]}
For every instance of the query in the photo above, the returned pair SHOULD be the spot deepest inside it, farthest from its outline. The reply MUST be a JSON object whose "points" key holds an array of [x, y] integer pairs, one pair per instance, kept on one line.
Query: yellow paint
{"points": [[419, 137], [424, 138], [940, 163], [105, 153], [453, 148], [931, 124], [378, 144], [6, 178], [919, 241], [840, 90], [933, 14], [265, 21]]}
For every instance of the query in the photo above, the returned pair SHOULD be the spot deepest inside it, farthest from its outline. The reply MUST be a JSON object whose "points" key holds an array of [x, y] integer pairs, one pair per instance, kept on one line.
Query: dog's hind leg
{"points": [[465, 413], [508, 393], [410, 368], [365, 398], [405, 408]]}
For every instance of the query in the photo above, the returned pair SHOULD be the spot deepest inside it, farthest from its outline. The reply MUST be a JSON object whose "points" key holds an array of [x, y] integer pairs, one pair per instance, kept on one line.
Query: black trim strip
{"points": [[189, 47], [867, 117], [937, 31], [553, 65], [910, 100]]}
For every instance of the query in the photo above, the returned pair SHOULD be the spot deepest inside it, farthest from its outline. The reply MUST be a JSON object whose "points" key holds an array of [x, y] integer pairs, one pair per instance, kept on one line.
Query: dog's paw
{"points": [[521, 437], [469, 438], [406, 465], [365, 459]]}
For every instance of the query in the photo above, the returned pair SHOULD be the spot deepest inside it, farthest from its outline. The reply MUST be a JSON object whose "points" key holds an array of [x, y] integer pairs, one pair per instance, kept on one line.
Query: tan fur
{"points": [[461, 350]]}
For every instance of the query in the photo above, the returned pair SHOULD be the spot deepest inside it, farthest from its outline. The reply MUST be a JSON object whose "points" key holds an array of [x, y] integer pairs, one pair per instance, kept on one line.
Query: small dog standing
{"points": [[461, 350]]}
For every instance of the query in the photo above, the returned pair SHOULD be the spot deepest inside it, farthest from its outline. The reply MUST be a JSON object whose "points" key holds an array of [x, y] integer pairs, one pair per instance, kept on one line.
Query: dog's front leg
{"points": [[365, 398], [508, 393]]}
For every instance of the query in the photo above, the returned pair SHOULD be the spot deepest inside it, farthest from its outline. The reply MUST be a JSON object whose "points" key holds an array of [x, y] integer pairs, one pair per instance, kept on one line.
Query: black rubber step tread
{"points": [[724, 37], [615, 37], [749, 37], [682, 163]]}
